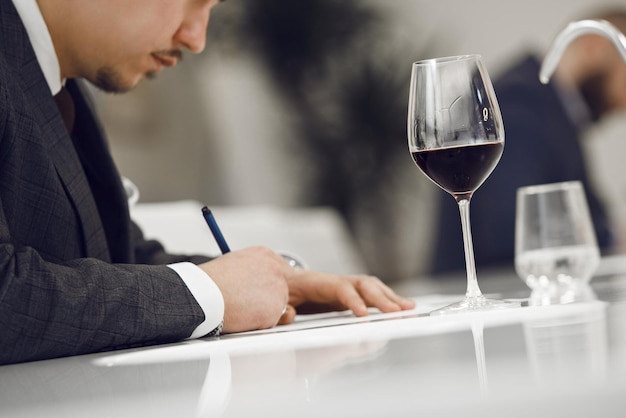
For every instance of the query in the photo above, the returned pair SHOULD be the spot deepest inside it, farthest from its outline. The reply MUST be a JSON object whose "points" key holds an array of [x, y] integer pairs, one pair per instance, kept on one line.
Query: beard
{"points": [[110, 81], [593, 89]]}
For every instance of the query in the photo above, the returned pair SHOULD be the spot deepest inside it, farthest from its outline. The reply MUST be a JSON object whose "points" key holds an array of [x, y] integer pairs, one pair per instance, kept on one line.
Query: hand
{"points": [[253, 284], [311, 292]]}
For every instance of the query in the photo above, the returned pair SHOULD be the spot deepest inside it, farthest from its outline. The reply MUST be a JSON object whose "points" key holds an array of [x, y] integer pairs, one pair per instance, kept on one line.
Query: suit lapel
{"points": [[69, 168], [102, 175], [54, 136], [70, 171]]}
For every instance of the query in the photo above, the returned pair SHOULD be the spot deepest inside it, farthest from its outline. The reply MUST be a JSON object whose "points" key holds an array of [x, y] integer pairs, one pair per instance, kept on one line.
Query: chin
{"points": [[112, 81]]}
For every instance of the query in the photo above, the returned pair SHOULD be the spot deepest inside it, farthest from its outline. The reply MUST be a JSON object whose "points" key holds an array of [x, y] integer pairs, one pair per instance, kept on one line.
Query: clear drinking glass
{"points": [[555, 244], [456, 138]]}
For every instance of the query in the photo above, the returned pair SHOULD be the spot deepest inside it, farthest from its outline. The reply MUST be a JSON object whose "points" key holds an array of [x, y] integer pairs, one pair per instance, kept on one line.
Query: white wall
{"points": [[496, 29]]}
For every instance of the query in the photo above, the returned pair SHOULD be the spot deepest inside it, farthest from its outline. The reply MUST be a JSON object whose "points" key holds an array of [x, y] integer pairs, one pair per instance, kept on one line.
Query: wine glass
{"points": [[456, 138]]}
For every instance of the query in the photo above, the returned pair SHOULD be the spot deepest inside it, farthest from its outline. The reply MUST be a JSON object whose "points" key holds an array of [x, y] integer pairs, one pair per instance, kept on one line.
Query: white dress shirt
{"points": [[202, 287]]}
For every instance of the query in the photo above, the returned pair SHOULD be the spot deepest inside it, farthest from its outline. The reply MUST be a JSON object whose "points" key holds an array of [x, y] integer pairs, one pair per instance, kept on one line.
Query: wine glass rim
{"points": [[451, 58], [550, 187]]}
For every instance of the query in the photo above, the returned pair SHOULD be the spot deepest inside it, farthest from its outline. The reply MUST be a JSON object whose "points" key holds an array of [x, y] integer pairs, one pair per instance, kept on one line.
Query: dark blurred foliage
{"points": [[298, 37], [347, 80]]}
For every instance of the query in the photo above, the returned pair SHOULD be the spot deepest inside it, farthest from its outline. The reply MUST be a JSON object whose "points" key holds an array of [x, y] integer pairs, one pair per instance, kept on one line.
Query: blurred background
{"points": [[303, 104]]}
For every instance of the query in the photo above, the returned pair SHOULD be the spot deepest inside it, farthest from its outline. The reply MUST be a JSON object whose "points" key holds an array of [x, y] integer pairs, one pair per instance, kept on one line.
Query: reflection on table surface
{"points": [[555, 360]]}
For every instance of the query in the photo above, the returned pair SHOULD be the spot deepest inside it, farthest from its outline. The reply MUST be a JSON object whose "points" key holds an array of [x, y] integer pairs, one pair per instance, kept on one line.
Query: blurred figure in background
{"points": [[544, 125], [345, 79]]}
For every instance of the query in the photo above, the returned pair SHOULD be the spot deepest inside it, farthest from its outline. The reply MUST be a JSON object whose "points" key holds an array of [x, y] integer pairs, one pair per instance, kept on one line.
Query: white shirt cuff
{"points": [[206, 293]]}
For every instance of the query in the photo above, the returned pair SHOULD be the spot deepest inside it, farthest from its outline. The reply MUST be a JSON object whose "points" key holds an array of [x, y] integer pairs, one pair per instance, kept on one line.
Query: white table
{"points": [[551, 361]]}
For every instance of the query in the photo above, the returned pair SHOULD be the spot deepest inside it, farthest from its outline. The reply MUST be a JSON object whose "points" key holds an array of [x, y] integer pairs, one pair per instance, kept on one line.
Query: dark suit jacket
{"points": [[542, 145], [76, 275]]}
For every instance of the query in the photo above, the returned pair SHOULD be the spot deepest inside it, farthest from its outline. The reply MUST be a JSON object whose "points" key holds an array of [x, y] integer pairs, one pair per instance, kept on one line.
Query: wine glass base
{"points": [[475, 304]]}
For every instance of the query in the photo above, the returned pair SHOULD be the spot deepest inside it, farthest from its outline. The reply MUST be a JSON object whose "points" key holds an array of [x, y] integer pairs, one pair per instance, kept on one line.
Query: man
{"points": [[543, 126], [76, 274]]}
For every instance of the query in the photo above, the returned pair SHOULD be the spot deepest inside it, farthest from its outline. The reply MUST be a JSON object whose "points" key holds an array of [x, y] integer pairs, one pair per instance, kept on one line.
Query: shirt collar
{"points": [[41, 41]]}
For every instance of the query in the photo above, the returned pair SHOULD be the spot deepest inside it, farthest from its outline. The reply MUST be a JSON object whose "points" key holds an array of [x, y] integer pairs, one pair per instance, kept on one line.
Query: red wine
{"points": [[459, 170]]}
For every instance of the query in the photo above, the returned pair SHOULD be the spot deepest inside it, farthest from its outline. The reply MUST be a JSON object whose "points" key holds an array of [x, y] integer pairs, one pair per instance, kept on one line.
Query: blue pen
{"points": [[215, 230]]}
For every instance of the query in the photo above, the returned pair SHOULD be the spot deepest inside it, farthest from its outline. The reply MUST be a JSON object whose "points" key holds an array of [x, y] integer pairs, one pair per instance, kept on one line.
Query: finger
{"points": [[403, 302], [288, 316], [348, 296], [376, 294]]}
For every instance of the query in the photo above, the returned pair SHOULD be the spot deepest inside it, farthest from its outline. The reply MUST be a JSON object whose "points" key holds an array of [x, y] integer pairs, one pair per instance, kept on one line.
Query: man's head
{"points": [[593, 64], [116, 43]]}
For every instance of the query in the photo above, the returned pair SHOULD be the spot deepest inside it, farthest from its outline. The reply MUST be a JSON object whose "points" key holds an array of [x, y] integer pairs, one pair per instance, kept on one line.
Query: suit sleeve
{"points": [[85, 305]]}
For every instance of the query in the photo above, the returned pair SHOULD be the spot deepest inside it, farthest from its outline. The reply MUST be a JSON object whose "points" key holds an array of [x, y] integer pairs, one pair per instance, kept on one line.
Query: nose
{"points": [[192, 32]]}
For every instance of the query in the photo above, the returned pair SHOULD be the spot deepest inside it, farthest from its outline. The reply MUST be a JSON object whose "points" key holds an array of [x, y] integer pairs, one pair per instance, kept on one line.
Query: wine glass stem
{"points": [[472, 282]]}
